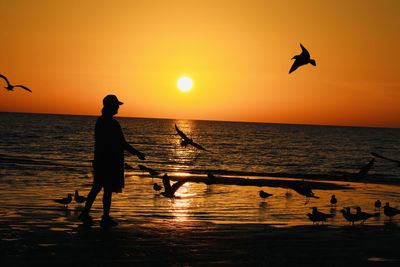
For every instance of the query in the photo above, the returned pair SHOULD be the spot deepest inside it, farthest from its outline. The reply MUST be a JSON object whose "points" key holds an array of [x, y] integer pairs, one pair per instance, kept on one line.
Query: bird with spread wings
{"points": [[187, 141], [11, 87]]}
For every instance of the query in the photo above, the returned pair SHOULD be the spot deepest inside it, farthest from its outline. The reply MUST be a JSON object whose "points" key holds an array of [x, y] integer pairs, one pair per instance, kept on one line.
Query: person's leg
{"points": [[107, 199], [96, 188]]}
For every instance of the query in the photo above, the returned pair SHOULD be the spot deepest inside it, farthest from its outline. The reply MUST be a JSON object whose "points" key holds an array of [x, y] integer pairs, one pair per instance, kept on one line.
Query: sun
{"points": [[185, 84]]}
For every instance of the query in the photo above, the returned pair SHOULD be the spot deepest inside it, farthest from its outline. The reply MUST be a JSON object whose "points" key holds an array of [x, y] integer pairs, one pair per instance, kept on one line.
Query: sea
{"points": [[45, 157]]}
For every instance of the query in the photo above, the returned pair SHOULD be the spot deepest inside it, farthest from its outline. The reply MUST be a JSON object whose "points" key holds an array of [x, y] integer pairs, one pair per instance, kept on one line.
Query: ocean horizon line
{"points": [[208, 120]]}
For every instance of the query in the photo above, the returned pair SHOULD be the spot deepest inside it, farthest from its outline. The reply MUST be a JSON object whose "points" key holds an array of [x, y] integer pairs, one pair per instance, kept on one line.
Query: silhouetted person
{"points": [[108, 163], [11, 87], [302, 59]]}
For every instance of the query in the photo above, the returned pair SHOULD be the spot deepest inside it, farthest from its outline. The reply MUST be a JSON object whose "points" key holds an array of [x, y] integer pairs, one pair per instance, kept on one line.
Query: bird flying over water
{"points": [[187, 141], [302, 59], [11, 87], [149, 170], [170, 190], [157, 187], [304, 189], [65, 201], [383, 157]]}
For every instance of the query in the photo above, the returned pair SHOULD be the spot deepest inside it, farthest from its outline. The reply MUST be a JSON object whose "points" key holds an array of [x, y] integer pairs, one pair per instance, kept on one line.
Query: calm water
{"points": [[43, 157]]}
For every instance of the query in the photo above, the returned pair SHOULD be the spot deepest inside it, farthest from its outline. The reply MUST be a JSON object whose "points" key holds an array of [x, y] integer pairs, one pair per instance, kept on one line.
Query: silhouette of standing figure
{"points": [[108, 163]]}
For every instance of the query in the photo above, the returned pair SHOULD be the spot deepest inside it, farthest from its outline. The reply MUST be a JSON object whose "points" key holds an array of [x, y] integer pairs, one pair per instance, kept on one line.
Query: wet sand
{"points": [[203, 244]]}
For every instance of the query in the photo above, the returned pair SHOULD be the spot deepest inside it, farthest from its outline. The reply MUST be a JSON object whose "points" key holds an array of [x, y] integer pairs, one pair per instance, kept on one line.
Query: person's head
{"points": [[111, 105]]}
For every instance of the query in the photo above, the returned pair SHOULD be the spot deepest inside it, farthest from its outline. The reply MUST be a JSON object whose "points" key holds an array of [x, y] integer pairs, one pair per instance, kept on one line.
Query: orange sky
{"points": [[72, 53]]}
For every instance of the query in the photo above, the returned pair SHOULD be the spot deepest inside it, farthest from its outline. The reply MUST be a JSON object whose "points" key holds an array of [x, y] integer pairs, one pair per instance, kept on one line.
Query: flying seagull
{"points": [[302, 59], [187, 141], [11, 87], [170, 190], [383, 157]]}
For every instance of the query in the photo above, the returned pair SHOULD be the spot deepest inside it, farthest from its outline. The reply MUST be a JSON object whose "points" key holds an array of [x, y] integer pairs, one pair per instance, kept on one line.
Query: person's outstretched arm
{"points": [[134, 151]]}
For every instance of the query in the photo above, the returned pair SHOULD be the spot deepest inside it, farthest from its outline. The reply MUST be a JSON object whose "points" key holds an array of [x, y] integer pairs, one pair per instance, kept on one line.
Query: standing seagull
{"points": [[333, 200], [302, 59], [11, 87], [264, 194], [78, 198], [65, 201], [187, 141]]}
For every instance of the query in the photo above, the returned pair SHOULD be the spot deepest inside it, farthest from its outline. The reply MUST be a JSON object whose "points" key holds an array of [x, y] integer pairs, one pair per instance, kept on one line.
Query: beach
{"points": [[220, 223], [204, 244]]}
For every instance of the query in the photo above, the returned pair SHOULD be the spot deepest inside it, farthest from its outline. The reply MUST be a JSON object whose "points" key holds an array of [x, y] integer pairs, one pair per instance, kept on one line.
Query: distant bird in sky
{"points": [[187, 141], [383, 157], [378, 204], [11, 87], [302, 59], [333, 200], [78, 198], [390, 211], [169, 191], [157, 187], [65, 201], [363, 216], [264, 194]]}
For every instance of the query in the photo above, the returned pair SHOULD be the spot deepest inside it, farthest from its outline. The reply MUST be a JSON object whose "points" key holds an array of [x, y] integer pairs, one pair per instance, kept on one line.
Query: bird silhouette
{"points": [[264, 194], [152, 172], [11, 87], [157, 187], [378, 204], [363, 216], [317, 216], [333, 200], [65, 201], [304, 189], [350, 217], [302, 59], [78, 198], [385, 158], [187, 141], [390, 211], [169, 191], [365, 169]]}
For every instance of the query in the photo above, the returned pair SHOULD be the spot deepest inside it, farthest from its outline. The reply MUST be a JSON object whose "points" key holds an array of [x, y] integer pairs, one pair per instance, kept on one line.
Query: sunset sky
{"points": [[237, 52]]}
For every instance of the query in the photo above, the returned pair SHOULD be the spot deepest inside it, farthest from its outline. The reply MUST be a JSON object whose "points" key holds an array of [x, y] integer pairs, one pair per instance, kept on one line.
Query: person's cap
{"points": [[111, 100]]}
